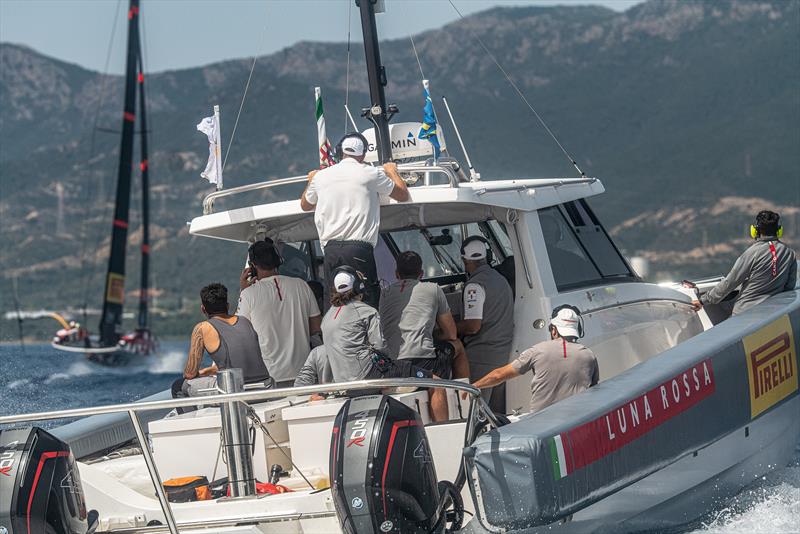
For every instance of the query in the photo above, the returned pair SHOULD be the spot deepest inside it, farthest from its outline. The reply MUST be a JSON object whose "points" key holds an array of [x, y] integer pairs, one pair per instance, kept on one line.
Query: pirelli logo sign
{"points": [[771, 365]]}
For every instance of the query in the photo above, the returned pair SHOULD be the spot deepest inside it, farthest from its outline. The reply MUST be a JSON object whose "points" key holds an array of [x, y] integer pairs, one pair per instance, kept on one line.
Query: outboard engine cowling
{"points": [[40, 487], [382, 473]]}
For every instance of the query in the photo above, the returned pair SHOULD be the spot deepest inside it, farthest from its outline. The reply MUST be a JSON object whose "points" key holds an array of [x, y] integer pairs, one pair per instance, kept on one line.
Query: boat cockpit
{"points": [[545, 238]]}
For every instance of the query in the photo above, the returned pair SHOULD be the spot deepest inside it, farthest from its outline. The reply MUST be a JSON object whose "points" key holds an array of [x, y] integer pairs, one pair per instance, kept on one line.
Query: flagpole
{"points": [[218, 146]]}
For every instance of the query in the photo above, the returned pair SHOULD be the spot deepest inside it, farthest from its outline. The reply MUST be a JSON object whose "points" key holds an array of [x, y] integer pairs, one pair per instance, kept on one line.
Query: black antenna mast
{"points": [[378, 113]]}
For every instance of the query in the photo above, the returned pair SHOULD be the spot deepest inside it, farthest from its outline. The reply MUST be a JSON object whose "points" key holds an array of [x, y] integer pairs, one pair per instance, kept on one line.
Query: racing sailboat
{"points": [[111, 346]]}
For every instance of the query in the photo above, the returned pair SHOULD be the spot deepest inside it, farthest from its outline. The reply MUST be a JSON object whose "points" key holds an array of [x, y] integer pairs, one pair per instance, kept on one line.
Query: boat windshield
{"points": [[439, 247]]}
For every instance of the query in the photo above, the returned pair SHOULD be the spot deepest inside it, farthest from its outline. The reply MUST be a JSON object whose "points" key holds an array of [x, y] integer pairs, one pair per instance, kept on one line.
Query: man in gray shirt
{"points": [[316, 369], [766, 268], [410, 310], [487, 324], [561, 367]]}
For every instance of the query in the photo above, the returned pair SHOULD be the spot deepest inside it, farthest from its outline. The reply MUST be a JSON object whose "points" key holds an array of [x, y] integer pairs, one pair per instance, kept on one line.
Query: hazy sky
{"points": [[187, 33]]}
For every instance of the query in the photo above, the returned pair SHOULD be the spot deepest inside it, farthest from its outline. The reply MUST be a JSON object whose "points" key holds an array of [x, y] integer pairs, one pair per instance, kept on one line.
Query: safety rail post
{"points": [[153, 470], [236, 445]]}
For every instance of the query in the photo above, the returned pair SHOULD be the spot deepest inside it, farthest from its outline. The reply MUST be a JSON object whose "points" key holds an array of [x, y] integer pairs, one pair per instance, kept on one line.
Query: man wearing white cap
{"points": [[561, 367], [345, 199], [487, 321], [354, 343]]}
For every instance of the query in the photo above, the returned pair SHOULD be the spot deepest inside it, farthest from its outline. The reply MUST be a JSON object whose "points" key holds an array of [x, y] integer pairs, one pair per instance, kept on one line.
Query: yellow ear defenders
{"points": [[754, 232]]}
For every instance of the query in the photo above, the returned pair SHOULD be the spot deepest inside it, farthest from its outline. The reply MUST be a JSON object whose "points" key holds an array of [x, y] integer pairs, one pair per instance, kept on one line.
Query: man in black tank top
{"points": [[229, 340]]}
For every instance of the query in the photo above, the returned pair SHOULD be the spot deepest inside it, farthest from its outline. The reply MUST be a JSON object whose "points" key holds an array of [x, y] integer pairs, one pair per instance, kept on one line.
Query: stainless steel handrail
{"points": [[523, 187], [208, 201], [477, 407], [245, 396]]}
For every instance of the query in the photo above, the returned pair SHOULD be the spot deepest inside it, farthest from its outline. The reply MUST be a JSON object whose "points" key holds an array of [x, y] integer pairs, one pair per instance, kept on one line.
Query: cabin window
{"points": [[297, 260], [440, 246], [569, 262], [597, 243], [580, 251]]}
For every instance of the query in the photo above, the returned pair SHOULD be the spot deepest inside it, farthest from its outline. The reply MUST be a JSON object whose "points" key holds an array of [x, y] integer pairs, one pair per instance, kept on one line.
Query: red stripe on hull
{"points": [[632, 420]]}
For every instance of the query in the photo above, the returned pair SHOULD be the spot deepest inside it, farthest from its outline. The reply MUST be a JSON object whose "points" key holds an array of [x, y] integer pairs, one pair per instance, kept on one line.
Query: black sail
{"points": [[114, 294], [144, 166]]}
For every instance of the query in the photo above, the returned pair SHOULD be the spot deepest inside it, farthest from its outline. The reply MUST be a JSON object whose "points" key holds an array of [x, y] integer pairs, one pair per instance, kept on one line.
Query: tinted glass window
{"points": [[597, 244], [439, 248], [570, 264], [296, 260]]}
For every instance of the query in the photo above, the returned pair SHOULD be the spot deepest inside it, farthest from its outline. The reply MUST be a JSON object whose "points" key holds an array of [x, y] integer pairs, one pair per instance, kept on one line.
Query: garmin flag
{"points": [[213, 170], [428, 130]]}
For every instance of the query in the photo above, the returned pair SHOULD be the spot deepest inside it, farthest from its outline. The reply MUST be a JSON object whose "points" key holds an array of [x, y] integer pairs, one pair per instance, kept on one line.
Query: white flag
{"points": [[213, 171]]}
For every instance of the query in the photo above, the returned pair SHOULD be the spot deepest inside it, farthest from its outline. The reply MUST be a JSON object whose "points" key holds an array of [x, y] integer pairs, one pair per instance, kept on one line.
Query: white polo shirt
{"points": [[348, 202], [279, 308]]}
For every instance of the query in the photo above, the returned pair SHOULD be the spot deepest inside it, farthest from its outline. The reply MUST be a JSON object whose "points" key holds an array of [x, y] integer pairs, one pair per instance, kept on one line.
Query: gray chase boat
{"points": [[690, 408]]}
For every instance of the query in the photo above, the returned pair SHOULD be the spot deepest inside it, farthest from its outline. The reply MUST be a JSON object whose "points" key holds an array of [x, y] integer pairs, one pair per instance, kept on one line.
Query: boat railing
{"points": [[449, 169], [478, 413]]}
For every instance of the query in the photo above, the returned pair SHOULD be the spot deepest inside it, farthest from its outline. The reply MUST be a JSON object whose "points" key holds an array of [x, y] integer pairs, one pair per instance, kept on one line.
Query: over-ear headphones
{"points": [[337, 150], [472, 238], [577, 312], [273, 250], [358, 278], [754, 231]]}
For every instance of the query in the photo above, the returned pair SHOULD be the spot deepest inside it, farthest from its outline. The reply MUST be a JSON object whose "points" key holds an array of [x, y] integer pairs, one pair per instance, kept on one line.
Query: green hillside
{"points": [[688, 111]]}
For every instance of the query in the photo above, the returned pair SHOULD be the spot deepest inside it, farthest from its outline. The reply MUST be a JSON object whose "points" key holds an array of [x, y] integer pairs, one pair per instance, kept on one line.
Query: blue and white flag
{"points": [[428, 130]]}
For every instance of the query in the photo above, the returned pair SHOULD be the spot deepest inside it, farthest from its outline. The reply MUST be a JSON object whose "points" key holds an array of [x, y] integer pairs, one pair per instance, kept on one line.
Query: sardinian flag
{"points": [[325, 151], [213, 170]]}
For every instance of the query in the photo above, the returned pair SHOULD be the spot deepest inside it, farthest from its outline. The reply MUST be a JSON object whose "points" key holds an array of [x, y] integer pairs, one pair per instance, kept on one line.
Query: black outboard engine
{"points": [[40, 487], [382, 473]]}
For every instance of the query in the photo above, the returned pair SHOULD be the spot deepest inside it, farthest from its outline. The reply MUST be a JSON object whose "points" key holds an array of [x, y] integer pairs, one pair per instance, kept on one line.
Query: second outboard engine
{"points": [[40, 487], [382, 475]]}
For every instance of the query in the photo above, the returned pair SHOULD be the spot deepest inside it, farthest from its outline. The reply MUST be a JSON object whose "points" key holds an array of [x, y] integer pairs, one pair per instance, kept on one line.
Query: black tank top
{"points": [[238, 348]]}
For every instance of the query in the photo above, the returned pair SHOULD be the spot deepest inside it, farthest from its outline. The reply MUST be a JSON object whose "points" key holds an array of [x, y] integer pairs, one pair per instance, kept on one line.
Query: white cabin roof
{"points": [[430, 205]]}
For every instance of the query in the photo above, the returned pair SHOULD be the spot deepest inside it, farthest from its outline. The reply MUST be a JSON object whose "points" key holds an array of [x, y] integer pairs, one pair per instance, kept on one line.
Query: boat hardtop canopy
{"points": [[456, 202]]}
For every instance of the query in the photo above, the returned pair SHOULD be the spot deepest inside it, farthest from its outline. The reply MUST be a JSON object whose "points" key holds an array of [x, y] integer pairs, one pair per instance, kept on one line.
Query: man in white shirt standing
{"points": [[345, 199], [283, 311]]}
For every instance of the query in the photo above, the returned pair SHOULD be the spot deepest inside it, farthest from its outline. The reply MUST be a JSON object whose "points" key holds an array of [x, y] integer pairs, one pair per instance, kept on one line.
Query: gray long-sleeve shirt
{"points": [[316, 369], [754, 272], [352, 333]]}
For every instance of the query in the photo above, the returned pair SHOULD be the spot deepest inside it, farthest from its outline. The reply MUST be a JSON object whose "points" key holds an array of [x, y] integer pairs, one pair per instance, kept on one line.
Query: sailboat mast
{"points": [[144, 289], [378, 114], [114, 293]]}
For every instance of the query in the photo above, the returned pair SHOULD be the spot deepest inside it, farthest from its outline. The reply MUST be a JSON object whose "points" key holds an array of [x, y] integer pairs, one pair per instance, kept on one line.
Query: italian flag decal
{"points": [[558, 458]]}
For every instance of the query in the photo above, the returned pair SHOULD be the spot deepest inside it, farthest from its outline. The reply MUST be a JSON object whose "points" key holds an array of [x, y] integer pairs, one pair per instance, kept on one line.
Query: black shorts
{"points": [[388, 368], [442, 364]]}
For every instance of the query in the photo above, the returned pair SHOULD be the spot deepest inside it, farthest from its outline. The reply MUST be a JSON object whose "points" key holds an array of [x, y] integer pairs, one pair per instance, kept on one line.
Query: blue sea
{"points": [[41, 379]]}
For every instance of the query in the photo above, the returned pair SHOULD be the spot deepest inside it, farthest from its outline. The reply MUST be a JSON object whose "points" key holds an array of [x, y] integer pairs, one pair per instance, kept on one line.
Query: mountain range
{"points": [[688, 111]]}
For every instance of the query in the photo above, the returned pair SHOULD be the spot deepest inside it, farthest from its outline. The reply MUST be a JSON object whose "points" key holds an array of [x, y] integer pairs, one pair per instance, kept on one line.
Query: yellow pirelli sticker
{"points": [[771, 365], [116, 288]]}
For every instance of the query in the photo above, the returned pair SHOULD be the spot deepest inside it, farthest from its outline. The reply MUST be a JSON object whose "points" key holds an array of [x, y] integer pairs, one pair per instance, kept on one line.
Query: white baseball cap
{"points": [[353, 146], [566, 322], [343, 282], [474, 250]]}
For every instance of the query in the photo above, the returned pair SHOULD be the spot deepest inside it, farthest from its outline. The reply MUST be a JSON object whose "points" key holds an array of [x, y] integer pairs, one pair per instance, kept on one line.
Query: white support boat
{"points": [[689, 409]]}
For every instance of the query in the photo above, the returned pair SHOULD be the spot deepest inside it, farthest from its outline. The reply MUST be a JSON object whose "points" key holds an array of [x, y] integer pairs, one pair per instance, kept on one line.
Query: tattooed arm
{"points": [[192, 369]]}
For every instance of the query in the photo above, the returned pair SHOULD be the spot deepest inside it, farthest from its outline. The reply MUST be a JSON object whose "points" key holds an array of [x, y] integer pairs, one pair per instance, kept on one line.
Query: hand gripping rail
{"points": [[446, 168], [477, 410]]}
